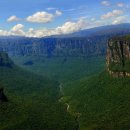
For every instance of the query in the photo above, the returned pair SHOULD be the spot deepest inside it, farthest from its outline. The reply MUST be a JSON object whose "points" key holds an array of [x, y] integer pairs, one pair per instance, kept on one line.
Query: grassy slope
{"points": [[33, 102], [102, 101]]}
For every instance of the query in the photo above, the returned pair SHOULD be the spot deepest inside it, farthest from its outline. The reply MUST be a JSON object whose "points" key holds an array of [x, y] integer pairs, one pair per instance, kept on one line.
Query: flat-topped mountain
{"points": [[90, 42], [118, 55]]}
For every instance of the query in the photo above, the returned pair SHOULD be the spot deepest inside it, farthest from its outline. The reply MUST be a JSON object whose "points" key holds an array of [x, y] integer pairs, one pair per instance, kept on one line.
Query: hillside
{"points": [[102, 101], [86, 43], [33, 101]]}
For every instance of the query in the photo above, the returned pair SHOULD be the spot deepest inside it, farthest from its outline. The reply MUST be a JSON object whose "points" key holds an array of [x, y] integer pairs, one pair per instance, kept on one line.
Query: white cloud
{"points": [[43, 17], [40, 17], [4, 33], [105, 3], [119, 20], [70, 27], [66, 28], [13, 18], [120, 4], [40, 32], [58, 13], [114, 13], [17, 30]]}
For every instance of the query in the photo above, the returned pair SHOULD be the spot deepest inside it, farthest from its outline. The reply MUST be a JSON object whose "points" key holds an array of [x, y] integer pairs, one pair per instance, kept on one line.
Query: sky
{"points": [[39, 18]]}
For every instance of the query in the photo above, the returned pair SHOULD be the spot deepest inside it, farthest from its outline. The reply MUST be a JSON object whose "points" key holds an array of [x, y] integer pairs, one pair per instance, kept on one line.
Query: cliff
{"points": [[54, 47], [118, 56], [90, 42], [5, 60]]}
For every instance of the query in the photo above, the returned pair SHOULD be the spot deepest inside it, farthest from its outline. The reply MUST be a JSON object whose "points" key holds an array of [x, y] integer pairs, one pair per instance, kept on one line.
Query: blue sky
{"points": [[39, 18]]}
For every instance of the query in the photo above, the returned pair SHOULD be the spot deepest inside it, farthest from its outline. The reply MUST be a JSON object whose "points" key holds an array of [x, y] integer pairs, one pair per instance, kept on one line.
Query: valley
{"points": [[62, 69], [64, 64], [66, 92], [33, 99], [94, 97]]}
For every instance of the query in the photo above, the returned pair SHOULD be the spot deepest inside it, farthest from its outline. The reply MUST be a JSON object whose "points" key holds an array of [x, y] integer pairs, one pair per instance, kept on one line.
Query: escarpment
{"points": [[118, 56], [54, 47]]}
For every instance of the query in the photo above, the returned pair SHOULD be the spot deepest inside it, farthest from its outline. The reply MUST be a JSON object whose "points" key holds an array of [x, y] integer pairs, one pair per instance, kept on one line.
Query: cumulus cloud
{"points": [[70, 27], [40, 17], [119, 20], [17, 30], [105, 3], [114, 13], [4, 33], [13, 19], [43, 17], [40, 32], [66, 28]]}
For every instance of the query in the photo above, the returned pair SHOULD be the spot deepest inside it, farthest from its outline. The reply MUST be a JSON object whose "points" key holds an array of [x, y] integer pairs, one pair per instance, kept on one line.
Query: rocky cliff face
{"points": [[90, 42], [5, 60], [118, 56], [54, 46]]}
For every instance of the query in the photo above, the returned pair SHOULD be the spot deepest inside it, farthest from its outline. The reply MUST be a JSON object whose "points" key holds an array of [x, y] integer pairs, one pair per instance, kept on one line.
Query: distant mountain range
{"points": [[102, 30], [89, 42]]}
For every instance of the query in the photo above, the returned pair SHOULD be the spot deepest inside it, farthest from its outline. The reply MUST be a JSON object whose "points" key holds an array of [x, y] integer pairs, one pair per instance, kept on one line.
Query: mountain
{"points": [[102, 101], [30, 101], [103, 30], [90, 42]]}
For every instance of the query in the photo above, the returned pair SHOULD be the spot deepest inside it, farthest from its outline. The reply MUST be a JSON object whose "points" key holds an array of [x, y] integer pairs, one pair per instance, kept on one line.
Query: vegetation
{"points": [[116, 67], [102, 102], [122, 38], [33, 102], [96, 101], [63, 69], [77, 97], [119, 68]]}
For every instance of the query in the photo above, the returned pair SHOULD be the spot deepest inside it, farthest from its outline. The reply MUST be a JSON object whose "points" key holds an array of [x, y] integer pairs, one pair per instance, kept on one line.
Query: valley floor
{"points": [[65, 70], [76, 88]]}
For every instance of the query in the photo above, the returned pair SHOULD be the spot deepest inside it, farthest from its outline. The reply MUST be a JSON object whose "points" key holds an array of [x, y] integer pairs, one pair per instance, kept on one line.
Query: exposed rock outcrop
{"points": [[5, 60], [86, 43], [3, 98], [54, 47], [118, 56]]}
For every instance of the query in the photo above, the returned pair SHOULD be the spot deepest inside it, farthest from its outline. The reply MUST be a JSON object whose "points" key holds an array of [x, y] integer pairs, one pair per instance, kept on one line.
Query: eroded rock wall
{"points": [[118, 56]]}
